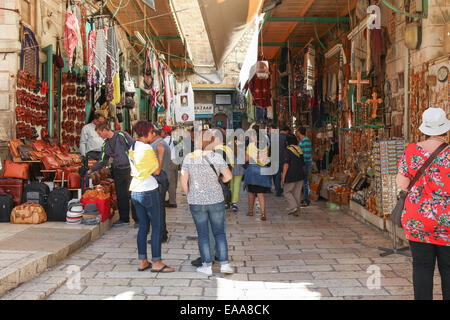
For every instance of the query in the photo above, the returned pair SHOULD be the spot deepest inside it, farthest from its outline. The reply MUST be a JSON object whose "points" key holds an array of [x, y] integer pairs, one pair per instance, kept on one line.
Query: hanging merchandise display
{"points": [[185, 111], [29, 55], [73, 104], [31, 108]]}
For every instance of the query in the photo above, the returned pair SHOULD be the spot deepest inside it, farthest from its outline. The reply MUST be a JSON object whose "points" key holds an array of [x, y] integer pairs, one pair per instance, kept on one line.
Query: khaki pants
{"points": [[292, 191], [172, 174]]}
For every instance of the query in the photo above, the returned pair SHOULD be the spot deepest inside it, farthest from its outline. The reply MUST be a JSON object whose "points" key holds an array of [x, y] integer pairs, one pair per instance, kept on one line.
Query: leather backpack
{"points": [[28, 213]]}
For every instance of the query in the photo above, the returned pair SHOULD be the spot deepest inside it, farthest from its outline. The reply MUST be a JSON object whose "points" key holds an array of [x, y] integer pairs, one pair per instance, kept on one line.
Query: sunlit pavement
{"points": [[319, 254]]}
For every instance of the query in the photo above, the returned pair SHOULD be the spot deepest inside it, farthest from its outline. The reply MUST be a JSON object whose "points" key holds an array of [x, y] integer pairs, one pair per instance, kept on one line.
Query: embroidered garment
{"points": [[70, 35], [91, 78], [79, 62], [426, 217]]}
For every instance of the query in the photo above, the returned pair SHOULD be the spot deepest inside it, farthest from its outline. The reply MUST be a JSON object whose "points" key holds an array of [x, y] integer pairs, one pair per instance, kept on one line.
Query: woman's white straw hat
{"points": [[434, 122]]}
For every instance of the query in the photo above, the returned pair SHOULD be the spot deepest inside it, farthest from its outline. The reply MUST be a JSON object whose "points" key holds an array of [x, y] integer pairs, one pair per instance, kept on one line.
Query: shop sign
{"points": [[204, 109], [223, 99]]}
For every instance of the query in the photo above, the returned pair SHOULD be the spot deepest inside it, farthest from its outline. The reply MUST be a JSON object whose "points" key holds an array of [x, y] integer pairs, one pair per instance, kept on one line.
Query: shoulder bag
{"points": [[224, 185], [396, 214]]}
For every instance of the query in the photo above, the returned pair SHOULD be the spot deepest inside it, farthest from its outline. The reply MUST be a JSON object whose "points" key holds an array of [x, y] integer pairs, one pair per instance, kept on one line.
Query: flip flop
{"points": [[162, 270], [143, 269]]}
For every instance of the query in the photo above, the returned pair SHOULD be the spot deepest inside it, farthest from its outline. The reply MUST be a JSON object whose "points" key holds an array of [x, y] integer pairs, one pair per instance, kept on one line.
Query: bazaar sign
{"points": [[204, 109]]}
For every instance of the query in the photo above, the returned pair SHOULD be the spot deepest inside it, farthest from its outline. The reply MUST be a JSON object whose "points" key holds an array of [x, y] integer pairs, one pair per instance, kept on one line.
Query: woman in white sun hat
{"points": [[426, 217]]}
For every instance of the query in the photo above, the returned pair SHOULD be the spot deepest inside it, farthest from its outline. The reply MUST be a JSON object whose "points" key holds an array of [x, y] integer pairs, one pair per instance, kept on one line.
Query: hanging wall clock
{"points": [[442, 74]]}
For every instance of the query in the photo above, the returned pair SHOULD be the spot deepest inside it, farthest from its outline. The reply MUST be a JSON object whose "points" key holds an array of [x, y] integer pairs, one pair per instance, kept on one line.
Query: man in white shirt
{"points": [[90, 141], [172, 170]]}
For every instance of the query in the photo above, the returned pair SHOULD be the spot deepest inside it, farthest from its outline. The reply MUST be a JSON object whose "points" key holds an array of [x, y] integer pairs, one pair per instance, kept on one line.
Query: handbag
{"points": [[129, 84], [57, 59], [15, 170], [396, 214], [224, 185]]}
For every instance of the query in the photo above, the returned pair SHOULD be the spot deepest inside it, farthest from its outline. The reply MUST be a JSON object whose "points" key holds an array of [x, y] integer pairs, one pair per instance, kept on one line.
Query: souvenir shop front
{"points": [[359, 86], [59, 88]]}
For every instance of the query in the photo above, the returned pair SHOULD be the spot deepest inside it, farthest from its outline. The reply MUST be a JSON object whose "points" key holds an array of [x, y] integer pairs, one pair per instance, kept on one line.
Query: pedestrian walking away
{"points": [[293, 174], [199, 181]]}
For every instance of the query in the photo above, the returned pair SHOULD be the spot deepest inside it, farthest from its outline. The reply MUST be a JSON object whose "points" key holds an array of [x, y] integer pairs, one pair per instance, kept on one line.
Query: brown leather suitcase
{"points": [[14, 187]]}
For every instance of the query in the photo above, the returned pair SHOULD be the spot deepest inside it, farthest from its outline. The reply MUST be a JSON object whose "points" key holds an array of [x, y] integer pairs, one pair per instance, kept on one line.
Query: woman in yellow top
{"points": [[145, 197], [256, 183]]}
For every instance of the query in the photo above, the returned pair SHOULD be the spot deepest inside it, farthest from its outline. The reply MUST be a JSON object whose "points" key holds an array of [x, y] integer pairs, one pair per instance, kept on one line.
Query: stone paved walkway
{"points": [[318, 255]]}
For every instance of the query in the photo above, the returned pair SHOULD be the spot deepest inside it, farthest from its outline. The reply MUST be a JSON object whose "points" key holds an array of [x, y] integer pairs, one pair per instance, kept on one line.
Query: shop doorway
{"points": [[221, 120]]}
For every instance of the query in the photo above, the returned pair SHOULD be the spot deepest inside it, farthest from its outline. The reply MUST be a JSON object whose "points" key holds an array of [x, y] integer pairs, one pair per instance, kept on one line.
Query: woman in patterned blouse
{"points": [[426, 217]]}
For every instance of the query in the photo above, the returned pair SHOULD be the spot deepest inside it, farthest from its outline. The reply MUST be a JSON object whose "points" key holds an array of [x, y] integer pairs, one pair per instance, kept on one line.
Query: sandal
{"points": [[143, 269], [164, 270], [263, 216], [250, 213]]}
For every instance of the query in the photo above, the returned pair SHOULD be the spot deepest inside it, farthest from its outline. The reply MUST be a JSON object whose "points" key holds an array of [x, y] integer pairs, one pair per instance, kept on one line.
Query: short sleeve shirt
{"points": [[294, 158], [204, 186], [426, 217]]}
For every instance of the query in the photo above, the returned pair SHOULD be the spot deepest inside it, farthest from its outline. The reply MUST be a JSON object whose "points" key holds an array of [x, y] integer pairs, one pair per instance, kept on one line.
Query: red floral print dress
{"points": [[426, 217]]}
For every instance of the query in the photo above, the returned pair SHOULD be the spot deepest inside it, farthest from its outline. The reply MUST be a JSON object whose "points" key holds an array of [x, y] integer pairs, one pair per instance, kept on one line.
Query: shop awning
{"points": [[225, 22]]}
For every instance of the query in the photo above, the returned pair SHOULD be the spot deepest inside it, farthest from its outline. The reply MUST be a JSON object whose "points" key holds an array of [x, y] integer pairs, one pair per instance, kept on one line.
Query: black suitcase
{"points": [[57, 204], [6, 206], [36, 192]]}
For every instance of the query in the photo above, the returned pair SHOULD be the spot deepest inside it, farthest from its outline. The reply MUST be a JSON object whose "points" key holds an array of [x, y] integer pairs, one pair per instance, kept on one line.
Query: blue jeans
{"points": [[148, 210], [306, 189], [203, 215], [277, 181]]}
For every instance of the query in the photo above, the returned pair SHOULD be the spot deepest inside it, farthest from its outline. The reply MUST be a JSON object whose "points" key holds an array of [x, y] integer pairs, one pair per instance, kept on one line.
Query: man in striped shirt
{"points": [[305, 145]]}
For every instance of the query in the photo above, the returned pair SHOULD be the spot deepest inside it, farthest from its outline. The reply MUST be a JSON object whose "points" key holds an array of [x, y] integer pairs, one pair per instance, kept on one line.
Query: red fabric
{"points": [[70, 36], [294, 103], [426, 217], [260, 89]]}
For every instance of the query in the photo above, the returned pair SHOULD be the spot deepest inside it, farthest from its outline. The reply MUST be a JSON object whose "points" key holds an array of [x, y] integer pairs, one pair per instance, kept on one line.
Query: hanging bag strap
{"points": [[427, 164]]}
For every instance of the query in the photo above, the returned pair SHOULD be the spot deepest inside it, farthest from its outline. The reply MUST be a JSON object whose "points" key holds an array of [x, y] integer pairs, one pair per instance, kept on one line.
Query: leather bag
{"points": [[28, 213], [50, 163], [13, 145], [24, 152], [396, 214], [15, 170]]}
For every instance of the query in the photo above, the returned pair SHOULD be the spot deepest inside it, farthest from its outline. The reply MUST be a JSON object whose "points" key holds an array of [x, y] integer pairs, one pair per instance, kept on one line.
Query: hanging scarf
{"points": [[91, 79], [148, 72], [83, 21], [100, 55], [79, 50], [70, 35]]}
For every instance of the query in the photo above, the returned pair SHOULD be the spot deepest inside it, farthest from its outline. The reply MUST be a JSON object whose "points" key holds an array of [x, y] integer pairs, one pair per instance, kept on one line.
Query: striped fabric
{"points": [[305, 145]]}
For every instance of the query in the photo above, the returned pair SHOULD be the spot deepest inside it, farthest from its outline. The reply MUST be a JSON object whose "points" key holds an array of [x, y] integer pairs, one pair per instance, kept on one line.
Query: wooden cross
{"points": [[375, 101], [359, 82]]}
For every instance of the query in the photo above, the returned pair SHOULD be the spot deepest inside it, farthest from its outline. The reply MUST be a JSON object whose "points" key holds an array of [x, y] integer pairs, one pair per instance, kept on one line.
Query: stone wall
{"points": [[48, 23], [430, 51]]}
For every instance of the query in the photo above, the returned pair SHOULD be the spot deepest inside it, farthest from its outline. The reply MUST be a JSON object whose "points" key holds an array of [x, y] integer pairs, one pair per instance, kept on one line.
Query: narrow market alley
{"points": [[320, 254]]}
